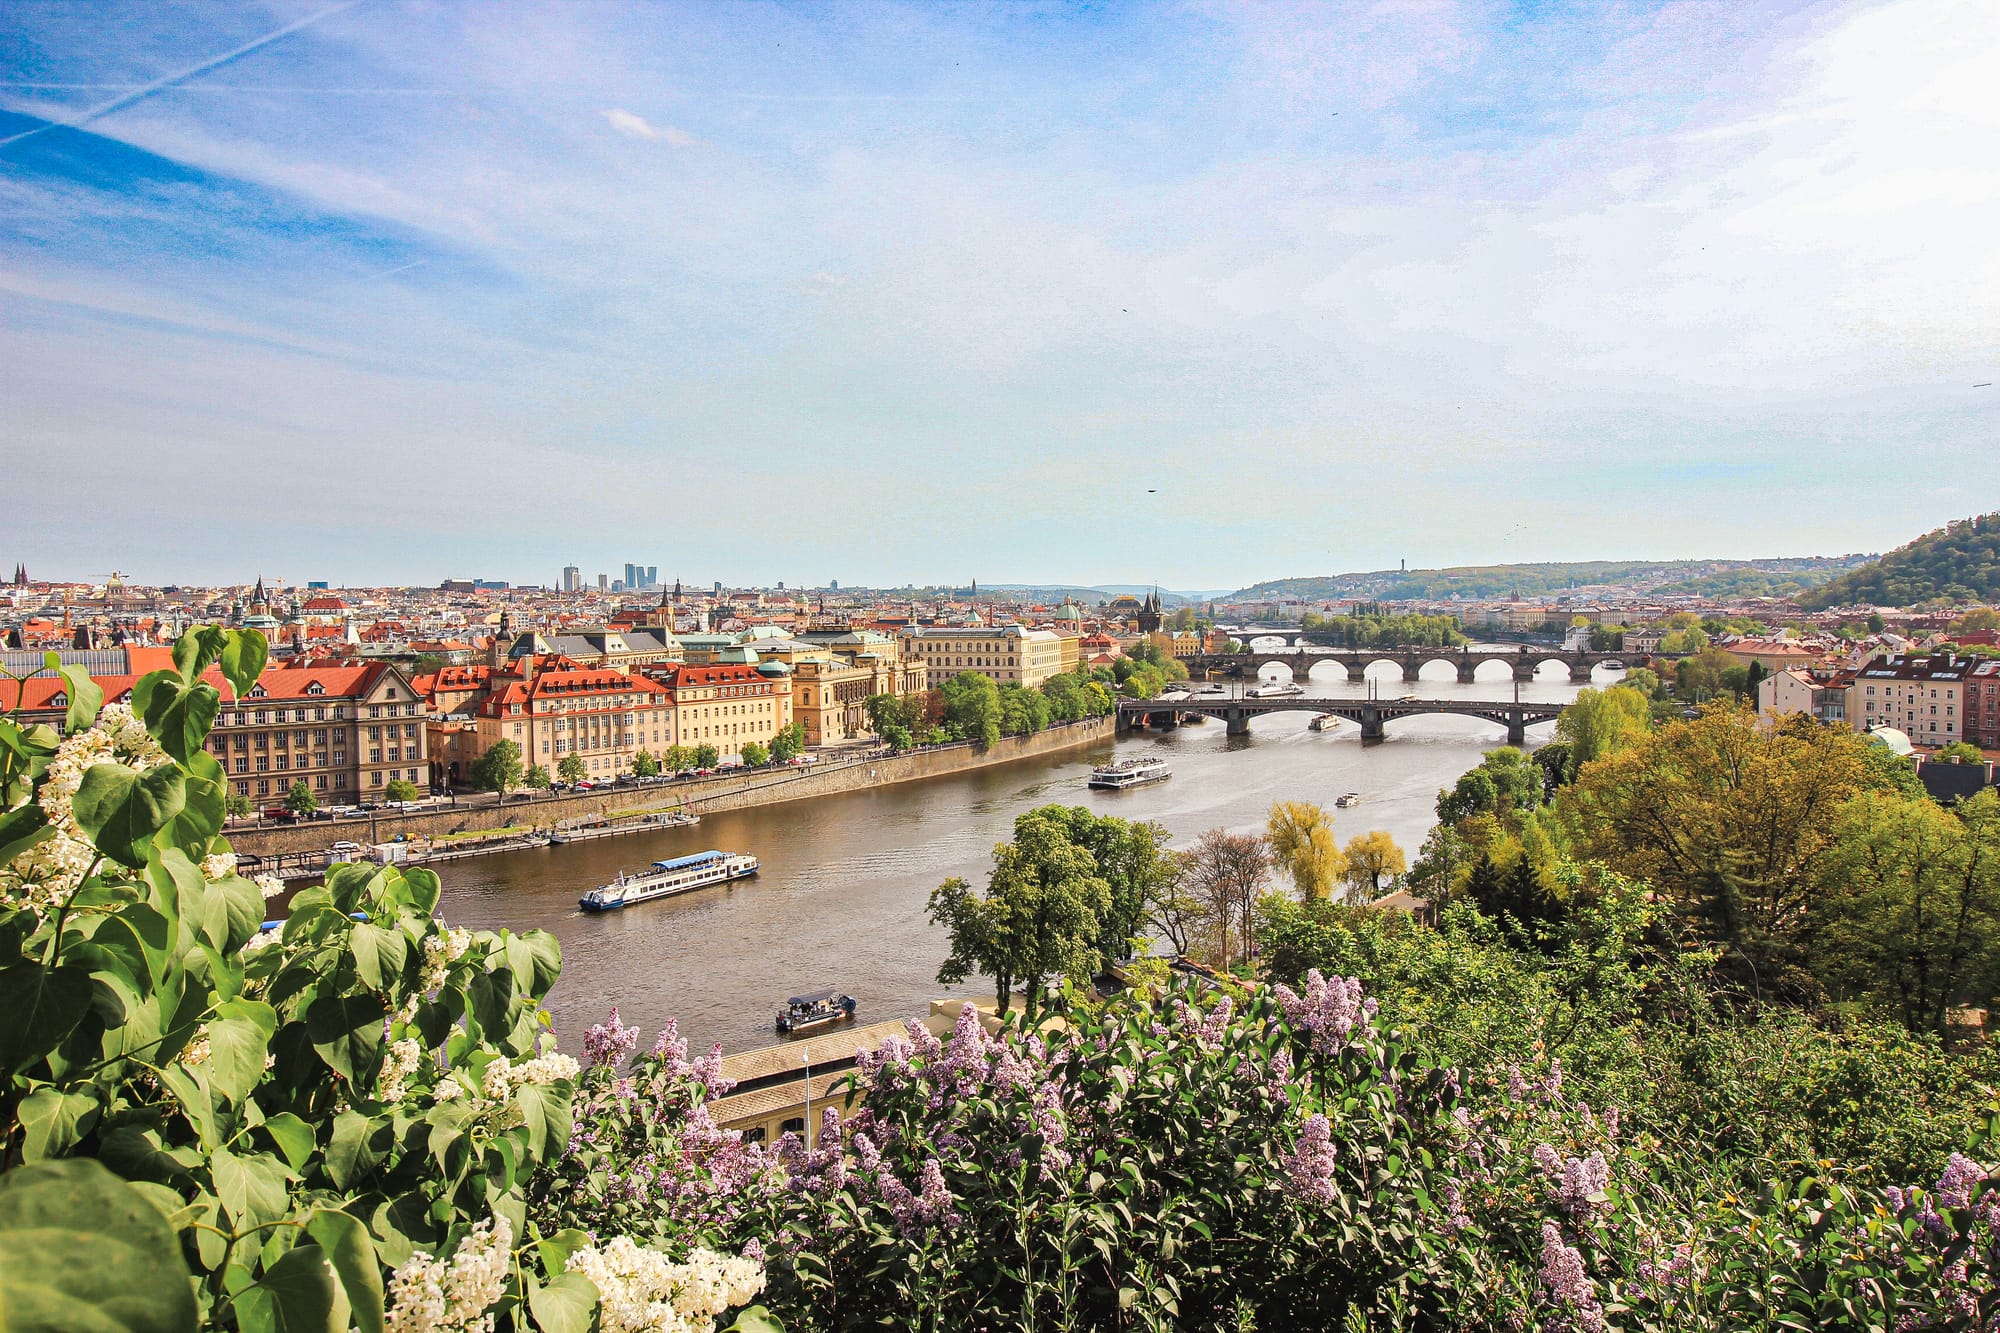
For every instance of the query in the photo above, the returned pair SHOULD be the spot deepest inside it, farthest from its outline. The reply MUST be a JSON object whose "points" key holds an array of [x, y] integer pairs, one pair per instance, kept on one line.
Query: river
{"points": [[840, 897]]}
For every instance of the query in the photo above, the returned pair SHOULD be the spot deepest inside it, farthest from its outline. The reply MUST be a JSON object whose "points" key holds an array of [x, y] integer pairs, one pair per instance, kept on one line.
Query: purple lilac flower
{"points": [[1954, 1187], [669, 1044], [1566, 1284], [1329, 1010], [1456, 1219], [1517, 1083], [1309, 1167], [609, 1043]]}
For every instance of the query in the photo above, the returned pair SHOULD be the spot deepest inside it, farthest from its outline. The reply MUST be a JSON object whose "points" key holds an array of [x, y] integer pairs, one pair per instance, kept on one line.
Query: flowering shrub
{"points": [[207, 1123]]}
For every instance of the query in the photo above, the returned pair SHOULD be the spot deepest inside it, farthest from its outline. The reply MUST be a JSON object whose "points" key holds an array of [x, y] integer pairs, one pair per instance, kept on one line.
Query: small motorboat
{"points": [[1348, 799], [1323, 722], [804, 1012]]}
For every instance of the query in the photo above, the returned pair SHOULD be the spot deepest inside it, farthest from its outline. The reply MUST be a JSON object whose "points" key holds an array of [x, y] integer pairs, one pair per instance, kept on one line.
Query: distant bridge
{"points": [[1368, 714], [1523, 661]]}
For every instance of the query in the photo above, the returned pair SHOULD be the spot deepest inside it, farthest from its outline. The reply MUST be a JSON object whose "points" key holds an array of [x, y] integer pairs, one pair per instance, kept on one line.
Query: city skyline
{"points": [[1203, 295]]}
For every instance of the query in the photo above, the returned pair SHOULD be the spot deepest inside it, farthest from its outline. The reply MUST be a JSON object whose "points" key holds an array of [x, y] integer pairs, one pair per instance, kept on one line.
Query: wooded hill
{"points": [[1739, 578], [1960, 562]]}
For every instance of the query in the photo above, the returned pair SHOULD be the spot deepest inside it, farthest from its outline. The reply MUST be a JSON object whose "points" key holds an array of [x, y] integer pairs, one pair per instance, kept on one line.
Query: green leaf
{"points": [[21, 829], [40, 1006], [346, 1030], [294, 1137], [194, 829], [198, 650], [756, 1319], [122, 810], [379, 955], [352, 1254], [238, 1039], [178, 713], [349, 1155], [563, 1304], [243, 657], [250, 1185], [53, 1122], [89, 1255], [300, 1293], [86, 697]]}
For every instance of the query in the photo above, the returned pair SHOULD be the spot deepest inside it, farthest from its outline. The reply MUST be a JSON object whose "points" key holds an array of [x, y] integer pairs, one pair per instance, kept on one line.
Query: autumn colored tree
{"points": [[1371, 857], [1303, 848], [1600, 722], [1225, 871]]}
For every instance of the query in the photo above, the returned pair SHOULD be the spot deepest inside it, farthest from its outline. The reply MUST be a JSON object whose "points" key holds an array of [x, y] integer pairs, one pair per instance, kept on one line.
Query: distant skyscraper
{"points": [[718, 587], [631, 572], [604, 583], [572, 578], [835, 585], [652, 576]]}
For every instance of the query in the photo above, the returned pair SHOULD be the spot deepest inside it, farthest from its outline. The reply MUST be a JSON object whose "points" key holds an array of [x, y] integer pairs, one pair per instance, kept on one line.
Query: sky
{"points": [[387, 291]]}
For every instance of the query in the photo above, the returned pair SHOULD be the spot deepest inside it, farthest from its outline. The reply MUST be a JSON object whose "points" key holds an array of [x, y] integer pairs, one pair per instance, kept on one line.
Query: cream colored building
{"points": [[1923, 697], [1008, 654]]}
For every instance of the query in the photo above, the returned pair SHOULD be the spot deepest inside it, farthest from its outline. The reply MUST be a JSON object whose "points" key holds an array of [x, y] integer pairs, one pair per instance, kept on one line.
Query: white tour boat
{"points": [[666, 878], [1277, 689], [1324, 721], [1349, 800], [1129, 773]]}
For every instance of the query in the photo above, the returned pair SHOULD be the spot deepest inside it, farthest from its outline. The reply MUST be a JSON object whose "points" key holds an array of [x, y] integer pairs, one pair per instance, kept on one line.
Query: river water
{"points": [[840, 898]]}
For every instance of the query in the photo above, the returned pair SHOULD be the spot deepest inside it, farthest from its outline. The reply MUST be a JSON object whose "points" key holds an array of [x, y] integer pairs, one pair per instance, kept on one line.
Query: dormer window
{"points": [[258, 691], [59, 700], [314, 687]]}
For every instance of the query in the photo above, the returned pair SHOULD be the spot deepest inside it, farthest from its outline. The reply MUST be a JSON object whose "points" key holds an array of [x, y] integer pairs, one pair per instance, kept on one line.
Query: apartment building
{"points": [[1794, 690], [1982, 705], [727, 706], [1921, 696], [346, 731], [1009, 654], [552, 707]]}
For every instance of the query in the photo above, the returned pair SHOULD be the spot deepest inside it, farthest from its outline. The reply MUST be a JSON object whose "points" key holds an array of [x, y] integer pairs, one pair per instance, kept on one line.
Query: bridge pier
{"points": [[1412, 668], [1371, 723], [1467, 673], [1524, 671], [1517, 730], [1236, 723]]}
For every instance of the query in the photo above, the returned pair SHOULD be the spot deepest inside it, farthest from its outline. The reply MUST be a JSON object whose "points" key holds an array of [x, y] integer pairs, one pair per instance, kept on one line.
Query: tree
{"points": [[1371, 857], [788, 743], [300, 799], [570, 769], [755, 755], [1959, 752], [1023, 712], [972, 708], [1504, 782], [706, 756], [644, 765], [236, 804], [1038, 918], [678, 759], [499, 769], [1726, 820], [1600, 722], [536, 778], [1645, 680], [1913, 905], [402, 789], [1134, 863], [1225, 872], [1303, 848]]}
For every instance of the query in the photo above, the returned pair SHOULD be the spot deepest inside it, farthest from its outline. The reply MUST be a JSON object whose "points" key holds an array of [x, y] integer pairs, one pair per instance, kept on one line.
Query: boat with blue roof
{"points": [[666, 878]]}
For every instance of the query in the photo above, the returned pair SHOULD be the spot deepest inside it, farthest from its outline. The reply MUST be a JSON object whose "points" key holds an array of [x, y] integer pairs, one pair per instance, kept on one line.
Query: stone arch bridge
{"points": [[1523, 661], [1368, 714]]}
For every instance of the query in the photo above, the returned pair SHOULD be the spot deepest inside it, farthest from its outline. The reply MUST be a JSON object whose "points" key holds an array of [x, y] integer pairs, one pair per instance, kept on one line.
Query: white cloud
{"points": [[625, 122]]}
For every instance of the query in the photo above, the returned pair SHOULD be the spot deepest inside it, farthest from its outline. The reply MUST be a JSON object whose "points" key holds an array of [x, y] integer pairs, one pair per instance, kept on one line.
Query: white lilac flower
{"points": [[402, 1060], [53, 868], [644, 1291], [428, 1296]]}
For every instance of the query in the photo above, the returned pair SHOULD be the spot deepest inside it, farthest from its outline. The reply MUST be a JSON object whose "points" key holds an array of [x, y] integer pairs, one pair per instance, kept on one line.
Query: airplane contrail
{"points": [[146, 90]]}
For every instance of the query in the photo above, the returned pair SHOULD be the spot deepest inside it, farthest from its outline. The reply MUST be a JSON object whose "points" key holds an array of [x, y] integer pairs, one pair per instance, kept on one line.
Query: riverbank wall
{"points": [[724, 791]]}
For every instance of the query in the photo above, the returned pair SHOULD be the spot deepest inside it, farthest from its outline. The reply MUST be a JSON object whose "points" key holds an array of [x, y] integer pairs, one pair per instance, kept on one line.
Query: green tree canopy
{"points": [[300, 799], [570, 769], [499, 769]]}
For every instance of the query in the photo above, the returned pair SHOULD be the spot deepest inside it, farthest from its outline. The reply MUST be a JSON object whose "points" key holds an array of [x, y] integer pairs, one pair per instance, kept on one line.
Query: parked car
{"points": [[345, 846]]}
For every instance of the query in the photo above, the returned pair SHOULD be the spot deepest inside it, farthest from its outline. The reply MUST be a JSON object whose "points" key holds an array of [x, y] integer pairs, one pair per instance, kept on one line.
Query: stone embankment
{"points": [[724, 791]]}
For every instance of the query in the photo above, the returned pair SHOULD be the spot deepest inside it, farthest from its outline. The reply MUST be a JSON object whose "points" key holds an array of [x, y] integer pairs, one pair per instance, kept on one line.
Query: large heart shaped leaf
{"points": [[94, 1255], [121, 810], [41, 1005], [178, 713]]}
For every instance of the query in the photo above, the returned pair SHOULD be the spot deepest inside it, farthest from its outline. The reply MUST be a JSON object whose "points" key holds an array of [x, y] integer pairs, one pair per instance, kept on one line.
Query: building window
{"points": [[374, 779], [263, 787]]}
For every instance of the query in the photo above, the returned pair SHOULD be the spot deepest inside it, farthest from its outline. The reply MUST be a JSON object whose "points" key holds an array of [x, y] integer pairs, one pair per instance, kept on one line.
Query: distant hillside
{"points": [[1960, 562], [1090, 596], [1733, 578]]}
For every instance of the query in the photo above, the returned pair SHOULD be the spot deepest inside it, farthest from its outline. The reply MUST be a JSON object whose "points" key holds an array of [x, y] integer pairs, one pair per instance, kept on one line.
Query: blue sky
{"points": [[1201, 294]]}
